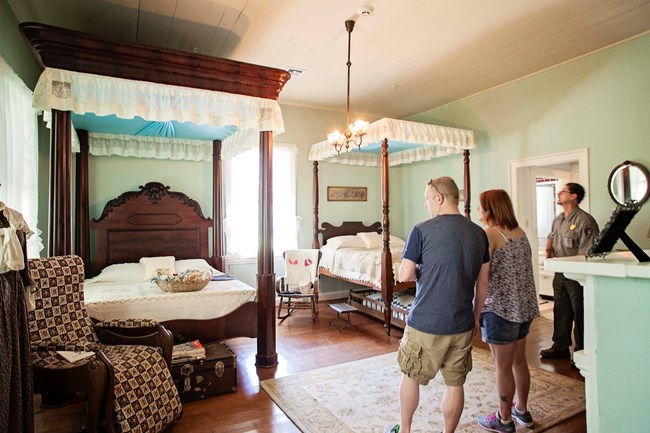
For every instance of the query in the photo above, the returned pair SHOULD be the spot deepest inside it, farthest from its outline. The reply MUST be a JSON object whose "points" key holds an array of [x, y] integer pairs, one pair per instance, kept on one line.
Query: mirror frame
{"points": [[614, 230], [611, 178]]}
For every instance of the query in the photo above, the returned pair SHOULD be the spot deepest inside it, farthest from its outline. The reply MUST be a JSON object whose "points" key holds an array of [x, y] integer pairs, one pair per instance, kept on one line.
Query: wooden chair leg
{"points": [[280, 308], [94, 409]]}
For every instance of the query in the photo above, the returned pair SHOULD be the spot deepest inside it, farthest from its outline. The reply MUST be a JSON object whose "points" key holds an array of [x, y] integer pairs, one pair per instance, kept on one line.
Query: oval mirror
{"points": [[629, 181]]}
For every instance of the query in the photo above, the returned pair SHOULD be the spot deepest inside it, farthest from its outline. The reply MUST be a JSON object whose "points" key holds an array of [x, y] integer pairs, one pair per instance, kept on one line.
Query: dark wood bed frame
{"points": [[55, 47], [388, 283], [155, 221]]}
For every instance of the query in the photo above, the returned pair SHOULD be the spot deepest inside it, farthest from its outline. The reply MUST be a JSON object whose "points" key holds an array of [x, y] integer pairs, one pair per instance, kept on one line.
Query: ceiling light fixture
{"points": [[295, 72], [354, 132]]}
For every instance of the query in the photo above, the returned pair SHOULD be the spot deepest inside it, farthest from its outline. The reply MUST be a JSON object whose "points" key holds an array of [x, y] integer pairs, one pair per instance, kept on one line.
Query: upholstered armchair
{"points": [[126, 376], [298, 288]]}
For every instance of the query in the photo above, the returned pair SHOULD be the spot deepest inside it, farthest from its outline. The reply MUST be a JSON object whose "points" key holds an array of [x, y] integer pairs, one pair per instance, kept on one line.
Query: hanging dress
{"points": [[16, 392]]}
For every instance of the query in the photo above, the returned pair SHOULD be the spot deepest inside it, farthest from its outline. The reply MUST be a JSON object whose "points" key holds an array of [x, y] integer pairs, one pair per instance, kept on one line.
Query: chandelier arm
{"points": [[359, 131]]}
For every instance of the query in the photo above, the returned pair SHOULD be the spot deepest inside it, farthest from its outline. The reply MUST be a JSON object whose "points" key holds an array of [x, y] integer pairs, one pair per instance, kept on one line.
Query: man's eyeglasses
{"points": [[564, 192]]}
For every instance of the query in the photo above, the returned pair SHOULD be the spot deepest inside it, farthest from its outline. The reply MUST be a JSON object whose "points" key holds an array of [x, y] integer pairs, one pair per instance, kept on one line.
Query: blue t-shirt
{"points": [[449, 251]]}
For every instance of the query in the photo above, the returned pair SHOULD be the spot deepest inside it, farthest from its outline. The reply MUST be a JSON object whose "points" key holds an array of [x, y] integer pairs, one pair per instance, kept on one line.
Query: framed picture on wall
{"points": [[347, 193]]}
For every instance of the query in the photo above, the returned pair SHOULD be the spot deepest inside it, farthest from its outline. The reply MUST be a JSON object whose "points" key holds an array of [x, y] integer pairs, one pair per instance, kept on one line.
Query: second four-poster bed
{"points": [[389, 142], [85, 74]]}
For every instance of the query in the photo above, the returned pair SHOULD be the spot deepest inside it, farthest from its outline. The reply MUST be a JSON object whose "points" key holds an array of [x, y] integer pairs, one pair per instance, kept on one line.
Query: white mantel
{"points": [[616, 359]]}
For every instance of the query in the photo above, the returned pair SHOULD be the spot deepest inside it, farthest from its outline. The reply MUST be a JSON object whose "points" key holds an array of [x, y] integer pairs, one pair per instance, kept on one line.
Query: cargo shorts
{"points": [[422, 355]]}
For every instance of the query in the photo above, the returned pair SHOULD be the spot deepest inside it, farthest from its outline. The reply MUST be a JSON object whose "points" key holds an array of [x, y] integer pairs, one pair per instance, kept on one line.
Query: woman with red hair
{"points": [[510, 307]]}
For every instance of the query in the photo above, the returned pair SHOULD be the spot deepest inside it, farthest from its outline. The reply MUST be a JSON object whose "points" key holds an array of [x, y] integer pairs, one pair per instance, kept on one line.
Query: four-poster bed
{"points": [[153, 222], [84, 73], [389, 142]]}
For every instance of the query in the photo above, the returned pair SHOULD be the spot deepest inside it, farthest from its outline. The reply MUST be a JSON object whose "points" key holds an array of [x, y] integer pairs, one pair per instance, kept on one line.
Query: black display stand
{"points": [[615, 230]]}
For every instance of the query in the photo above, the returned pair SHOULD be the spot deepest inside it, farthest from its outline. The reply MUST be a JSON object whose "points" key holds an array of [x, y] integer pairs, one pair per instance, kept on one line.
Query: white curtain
{"points": [[241, 183], [19, 152]]}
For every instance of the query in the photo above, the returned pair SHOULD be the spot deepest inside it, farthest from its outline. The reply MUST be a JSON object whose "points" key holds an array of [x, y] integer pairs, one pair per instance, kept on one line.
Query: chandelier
{"points": [[355, 131]]}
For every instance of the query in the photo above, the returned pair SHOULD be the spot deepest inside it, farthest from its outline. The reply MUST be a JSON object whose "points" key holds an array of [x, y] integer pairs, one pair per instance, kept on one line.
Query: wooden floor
{"points": [[302, 344]]}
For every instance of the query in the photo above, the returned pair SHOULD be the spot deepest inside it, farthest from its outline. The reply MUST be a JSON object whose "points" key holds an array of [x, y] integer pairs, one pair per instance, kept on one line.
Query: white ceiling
{"points": [[408, 56]]}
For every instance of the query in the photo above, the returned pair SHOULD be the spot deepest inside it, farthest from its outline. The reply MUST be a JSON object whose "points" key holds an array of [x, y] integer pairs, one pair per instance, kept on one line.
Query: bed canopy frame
{"points": [[235, 94], [390, 142]]}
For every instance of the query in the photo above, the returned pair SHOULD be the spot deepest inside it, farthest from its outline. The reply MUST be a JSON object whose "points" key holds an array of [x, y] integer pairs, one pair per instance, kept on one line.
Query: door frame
{"points": [[520, 186]]}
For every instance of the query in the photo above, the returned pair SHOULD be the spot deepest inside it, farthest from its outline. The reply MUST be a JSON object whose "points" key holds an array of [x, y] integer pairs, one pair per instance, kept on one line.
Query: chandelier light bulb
{"points": [[360, 127], [336, 138]]}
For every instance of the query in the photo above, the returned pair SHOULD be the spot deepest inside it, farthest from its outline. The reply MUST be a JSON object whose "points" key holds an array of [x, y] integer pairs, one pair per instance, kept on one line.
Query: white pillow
{"points": [[150, 264], [119, 272], [194, 264], [348, 241], [371, 240]]}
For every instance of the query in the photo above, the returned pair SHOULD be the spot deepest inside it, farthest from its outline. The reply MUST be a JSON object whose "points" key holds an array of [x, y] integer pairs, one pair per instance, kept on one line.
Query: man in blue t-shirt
{"points": [[448, 257]]}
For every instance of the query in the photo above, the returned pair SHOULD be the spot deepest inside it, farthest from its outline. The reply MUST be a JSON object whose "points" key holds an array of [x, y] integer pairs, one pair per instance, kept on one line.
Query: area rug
{"points": [[363, 396]]}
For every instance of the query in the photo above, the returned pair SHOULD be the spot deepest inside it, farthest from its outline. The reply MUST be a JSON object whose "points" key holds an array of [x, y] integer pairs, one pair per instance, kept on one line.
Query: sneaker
{"points": [[555, 353], [525, 418], [493, 423], [391, 428]]}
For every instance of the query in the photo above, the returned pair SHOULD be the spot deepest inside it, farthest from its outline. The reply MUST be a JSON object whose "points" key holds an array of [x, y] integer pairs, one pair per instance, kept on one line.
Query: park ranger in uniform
{"points": [[572, 234]]}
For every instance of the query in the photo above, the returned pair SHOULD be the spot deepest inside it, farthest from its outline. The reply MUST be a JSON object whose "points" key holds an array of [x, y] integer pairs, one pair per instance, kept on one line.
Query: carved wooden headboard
{"points": [[153, 221], [347, 228]]}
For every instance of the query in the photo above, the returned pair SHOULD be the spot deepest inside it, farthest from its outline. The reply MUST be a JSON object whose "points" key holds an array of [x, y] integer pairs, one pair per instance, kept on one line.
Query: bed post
{"points": [[60, 220], [386, 256], [266, 356], [218, 258], [468, 187], [315, 243], [82, 229]]}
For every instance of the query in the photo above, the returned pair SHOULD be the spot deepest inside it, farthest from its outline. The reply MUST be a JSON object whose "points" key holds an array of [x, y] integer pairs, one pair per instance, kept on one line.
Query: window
{"points": [[241, 182], [19, 152]]}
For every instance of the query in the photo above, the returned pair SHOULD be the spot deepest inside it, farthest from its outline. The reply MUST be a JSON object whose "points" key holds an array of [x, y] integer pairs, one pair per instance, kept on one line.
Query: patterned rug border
{"points": [[554, 398]]}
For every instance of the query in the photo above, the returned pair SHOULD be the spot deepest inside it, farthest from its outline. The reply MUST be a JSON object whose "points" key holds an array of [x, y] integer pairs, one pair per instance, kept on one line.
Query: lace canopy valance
{"points": [[407, 142], [83, 93]]}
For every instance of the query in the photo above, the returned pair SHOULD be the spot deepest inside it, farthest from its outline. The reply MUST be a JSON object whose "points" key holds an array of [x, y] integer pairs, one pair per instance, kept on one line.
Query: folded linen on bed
{"points": [[223, 277], [133, 300], [359, 264]]}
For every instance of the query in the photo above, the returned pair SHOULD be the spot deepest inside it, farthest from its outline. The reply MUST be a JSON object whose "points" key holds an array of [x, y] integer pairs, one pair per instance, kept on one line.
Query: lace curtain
{"points": [[19, 152]]}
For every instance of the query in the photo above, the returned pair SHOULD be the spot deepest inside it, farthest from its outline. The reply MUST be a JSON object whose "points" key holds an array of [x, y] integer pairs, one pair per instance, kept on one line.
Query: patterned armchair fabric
{"points": [[139, 395]]}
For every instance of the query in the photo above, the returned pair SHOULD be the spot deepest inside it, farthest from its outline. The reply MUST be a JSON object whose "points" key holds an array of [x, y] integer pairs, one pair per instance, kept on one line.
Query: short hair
{"points": [[498, 209], [577, 189], [446, 186]]}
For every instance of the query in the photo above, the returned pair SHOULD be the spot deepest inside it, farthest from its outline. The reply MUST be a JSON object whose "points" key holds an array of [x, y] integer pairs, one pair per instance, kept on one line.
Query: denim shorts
{"points": [[497, 330]]}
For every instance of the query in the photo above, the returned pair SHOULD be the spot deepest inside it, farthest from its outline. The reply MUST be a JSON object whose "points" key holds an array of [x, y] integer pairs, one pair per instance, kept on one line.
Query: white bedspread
{"points": [[143, 300], [360, 264]]}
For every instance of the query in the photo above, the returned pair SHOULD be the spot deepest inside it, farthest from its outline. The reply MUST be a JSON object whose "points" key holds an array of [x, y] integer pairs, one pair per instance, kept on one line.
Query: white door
{"points": [[546, 182]]}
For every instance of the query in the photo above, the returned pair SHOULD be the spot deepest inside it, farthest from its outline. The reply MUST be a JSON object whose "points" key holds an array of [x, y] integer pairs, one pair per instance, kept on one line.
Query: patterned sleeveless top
{"points": [[511, 285]]}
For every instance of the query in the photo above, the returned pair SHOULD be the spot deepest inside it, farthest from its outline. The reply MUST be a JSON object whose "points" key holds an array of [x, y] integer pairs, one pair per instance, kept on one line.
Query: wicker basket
{"points": [[177, 286]]}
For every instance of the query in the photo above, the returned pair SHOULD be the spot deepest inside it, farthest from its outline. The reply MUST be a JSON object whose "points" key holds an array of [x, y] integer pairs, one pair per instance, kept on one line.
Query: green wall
{"points": [[600, 102], [14, 48]]}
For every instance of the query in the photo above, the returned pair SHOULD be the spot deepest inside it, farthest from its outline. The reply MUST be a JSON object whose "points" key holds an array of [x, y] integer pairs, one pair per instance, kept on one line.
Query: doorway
{"points": [[534, 184]]}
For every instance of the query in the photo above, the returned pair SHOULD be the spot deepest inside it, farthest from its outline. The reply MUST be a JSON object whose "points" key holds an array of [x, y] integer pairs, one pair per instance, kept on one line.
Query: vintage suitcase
{"points": [[216, 374]]}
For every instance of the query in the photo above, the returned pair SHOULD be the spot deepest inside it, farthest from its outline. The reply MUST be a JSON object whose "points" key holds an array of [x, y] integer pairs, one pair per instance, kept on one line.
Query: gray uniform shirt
{"points": [[574, 234]]}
